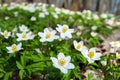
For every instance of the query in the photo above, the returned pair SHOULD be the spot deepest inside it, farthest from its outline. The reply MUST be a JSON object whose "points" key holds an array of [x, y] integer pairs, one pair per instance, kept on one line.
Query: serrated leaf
{"points": [[19, 65], [21, 74]]}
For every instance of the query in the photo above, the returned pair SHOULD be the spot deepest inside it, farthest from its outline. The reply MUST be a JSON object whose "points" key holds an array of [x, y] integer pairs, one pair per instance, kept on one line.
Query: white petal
{"points": [[68, 58], [18, 39], [9, 48], [61, 55], [10, 51], [93, 49], [81, 43], [41, 34], [90, 60], [53, 32], [71, 30], [84, 52], [55, 62], [57, 29], [62, 35], [75, 43], [70, 66], [69, 35], [46, 30], [97, 56], [42, 40], [63, 70], [19, 45]]}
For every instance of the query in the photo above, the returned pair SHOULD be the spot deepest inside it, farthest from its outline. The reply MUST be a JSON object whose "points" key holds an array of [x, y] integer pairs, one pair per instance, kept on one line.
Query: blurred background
{"points": [[106, 6]]}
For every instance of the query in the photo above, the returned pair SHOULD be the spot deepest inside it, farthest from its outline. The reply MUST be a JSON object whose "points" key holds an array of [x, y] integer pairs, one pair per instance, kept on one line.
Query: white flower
{"points": [[55, 15], [104, 63], [94, 28], [25, 36], [6, 34], [95, 17], [78, 45], [33, 18], [64, 31], [115, 44], [94, 34], [103, 15], [41, 15], [91, 55], [23, 28], [14, 48], [118, 55], [48, 35], [62, 63], [7, 17]]}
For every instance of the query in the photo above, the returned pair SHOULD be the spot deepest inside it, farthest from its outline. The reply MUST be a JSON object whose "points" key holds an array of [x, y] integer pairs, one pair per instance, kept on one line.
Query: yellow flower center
{"points": [[62, 61], [14, 48], [24, 35], [115, 43], [24, 29], [5, 34], [118, 55], [64, 29], [91, 54], [48, 35], [78, 46]]}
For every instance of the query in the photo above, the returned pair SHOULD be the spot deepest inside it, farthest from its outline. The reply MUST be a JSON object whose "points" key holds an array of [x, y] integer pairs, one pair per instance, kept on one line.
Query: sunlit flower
{"points": [[78, 33], [118, 55], [103, 15], [23, 28], [14, 48], [94, 28], [33, 18], [62, 63], [41, 15], [94, 34], [78, 45], [91, 55], [6, 34], [48, 35], [64, 31], [115, 44], [95, 17], [7, 17], [104, 63], [25, 36]]}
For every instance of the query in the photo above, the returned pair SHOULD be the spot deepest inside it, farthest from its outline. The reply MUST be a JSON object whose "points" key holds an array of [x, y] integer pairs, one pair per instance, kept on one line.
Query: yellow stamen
{"points": [[62, 61], [118, 55], [91, 54], [78, 46], [24, 35], [64, 29], [5, 34], [115, 43], [14, 48], [48, 35]]}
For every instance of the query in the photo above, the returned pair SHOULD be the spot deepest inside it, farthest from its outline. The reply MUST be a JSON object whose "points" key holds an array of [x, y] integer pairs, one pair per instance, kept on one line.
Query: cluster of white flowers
{"points": [[61, 32], [115, 46], [91, 55], [50, 35], [25, 35]]}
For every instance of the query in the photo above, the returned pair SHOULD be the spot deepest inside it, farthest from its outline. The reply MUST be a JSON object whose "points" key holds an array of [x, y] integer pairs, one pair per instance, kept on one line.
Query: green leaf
{"points": [[19, 65], [1, 75], [21, 74], [76, 72], [8, 75]]}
